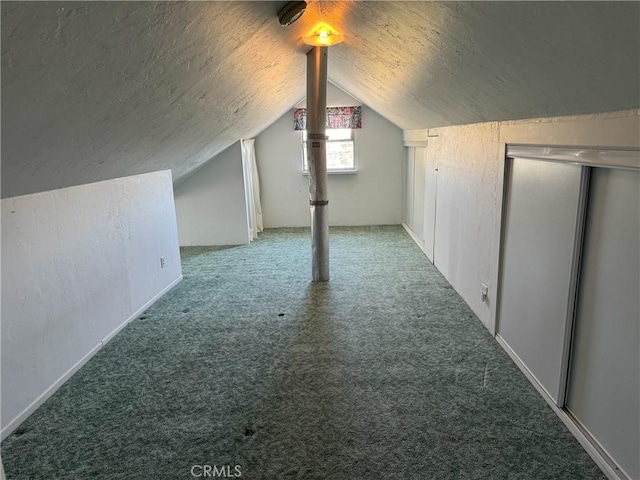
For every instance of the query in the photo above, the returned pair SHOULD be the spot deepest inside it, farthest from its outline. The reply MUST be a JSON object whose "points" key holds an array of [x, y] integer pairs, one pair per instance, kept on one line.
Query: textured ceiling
{"points": [[429, 64], [99, 90]]}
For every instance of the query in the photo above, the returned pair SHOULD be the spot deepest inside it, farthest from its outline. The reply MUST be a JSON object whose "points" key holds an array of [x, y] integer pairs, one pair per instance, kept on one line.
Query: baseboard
{"points": [[414, 237], [141, 310], [15, 423], [604, 462]]}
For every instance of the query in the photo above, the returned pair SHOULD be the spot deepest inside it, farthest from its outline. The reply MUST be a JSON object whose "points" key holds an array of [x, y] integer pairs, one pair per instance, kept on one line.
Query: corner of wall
{"points": [[82, 261], [211, 206]]}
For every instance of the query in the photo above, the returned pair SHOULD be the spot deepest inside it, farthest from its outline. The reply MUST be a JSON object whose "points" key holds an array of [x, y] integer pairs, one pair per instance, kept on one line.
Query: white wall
{"points": [[210, 205], [469, 185], [372, 196], [77, 265], [468, 210]]}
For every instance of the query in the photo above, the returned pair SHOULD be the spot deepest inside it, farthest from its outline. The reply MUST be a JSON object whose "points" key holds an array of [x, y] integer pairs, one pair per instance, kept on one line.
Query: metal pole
{"points": [[317, 161]]}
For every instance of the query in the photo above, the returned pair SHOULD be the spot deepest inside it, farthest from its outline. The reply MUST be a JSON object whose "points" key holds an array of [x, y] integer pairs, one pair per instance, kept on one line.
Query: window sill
{"points": [[335, 172]]}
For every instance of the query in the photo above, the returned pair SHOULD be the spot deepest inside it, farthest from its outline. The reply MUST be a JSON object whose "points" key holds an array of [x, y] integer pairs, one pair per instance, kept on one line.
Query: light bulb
{"points": [[323, 35]]}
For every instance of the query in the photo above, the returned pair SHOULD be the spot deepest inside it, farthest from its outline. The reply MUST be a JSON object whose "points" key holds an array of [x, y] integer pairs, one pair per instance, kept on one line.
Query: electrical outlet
{"points": [[161, 262], [485, 293]]}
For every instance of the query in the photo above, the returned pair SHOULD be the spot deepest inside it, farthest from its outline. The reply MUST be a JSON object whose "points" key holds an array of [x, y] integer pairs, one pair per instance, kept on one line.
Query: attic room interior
{"points": [[187, 293]]}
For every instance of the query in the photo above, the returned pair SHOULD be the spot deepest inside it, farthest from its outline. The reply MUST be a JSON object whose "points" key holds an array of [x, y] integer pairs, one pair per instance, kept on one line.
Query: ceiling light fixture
{"points": [[291, 12], [323, 35]]}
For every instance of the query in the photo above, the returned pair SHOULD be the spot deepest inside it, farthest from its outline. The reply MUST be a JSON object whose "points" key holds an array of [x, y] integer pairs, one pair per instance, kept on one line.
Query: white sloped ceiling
{"points": [[99, 90]]}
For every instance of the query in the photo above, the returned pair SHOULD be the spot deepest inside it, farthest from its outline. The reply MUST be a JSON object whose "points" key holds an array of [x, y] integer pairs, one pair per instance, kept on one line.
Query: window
{"points": [[340, 151]]}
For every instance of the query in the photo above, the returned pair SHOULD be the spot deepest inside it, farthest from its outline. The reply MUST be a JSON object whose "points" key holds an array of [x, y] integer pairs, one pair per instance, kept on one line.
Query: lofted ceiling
{"points": [[99, 90]]}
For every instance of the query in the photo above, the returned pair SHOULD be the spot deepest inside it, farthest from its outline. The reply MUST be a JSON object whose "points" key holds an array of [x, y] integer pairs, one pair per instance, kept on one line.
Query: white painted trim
{"points": [[506, 185], [345, 171], [496, 275], [574, 281], [415, 239], [598, 454], [532, 378], [415, 144], [586, 131], [628, 159], [13, 424], [139, 312], [415, 138]]}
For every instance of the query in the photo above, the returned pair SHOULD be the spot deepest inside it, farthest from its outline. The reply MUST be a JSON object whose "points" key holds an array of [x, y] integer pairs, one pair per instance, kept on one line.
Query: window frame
{"points": [[331, 171]]}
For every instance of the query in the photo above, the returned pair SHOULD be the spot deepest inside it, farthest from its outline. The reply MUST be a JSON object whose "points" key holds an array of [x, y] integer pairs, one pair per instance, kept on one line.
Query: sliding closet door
{"points": [[414, 191], [420, 157], [409, 185], [538, 266], [430, 188], [604, 385]]}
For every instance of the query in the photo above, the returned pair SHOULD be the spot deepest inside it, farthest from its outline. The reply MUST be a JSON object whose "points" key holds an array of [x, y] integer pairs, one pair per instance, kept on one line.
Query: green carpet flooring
{"points": [[383, 373]]}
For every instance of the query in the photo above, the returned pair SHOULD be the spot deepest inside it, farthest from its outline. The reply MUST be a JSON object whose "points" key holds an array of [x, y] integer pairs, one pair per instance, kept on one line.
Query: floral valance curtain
{"points": [[337, 117]]}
